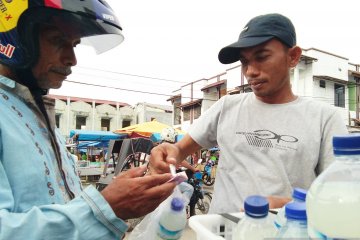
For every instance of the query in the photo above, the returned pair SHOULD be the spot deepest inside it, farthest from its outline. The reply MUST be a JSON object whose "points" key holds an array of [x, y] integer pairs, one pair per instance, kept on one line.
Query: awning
{"points": [[145, 129], [188, 104], [215, 84], [85, 135]]}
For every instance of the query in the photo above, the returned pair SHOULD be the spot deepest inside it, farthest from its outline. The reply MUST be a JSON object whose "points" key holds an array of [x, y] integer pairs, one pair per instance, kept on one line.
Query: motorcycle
{"points": [[207, 177], [200, 199]]}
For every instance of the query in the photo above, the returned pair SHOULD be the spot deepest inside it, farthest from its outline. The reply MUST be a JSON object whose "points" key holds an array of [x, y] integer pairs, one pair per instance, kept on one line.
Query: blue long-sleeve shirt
{"points": [[41, 196]]}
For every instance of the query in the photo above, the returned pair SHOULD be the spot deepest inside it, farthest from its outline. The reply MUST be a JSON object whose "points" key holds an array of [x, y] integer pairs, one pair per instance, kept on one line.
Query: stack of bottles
{"points": [[331, 209], [256, 223], [299, 195]]}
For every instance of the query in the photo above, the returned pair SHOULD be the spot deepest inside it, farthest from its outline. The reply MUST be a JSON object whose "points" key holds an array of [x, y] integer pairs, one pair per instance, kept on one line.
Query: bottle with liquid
{"points": [[295, 226], [256, 223], [299, 195], [172, 221], [333, 200]]}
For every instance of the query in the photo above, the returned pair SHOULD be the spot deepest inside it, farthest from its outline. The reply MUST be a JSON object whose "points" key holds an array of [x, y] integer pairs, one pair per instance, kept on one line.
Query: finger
{"points": [[155, 179], [159, 193], [133, 172], [157, 163], [172, 153]]}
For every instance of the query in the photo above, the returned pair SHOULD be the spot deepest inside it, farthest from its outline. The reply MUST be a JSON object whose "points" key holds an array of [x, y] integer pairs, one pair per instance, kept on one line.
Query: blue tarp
{"points": [[85, 135]]}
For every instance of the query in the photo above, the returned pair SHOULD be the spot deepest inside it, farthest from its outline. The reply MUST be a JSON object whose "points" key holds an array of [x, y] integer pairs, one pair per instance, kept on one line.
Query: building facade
{"points": [[101, 115]]}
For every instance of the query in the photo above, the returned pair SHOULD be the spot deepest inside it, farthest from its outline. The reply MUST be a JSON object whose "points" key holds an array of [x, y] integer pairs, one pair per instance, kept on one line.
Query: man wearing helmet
{"points": [[41, 194]]}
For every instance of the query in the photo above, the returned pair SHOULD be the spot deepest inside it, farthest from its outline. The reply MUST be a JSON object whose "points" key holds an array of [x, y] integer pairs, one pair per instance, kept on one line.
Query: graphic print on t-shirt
{"points": [[270, 139]]}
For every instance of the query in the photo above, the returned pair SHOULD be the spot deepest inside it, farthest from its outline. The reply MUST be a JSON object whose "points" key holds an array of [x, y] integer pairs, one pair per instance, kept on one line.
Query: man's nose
{"points": [[69, 57], [252, 70]]}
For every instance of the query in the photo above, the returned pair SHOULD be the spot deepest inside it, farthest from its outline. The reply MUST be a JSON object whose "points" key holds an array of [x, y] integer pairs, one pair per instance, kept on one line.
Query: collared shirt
{"points": [[38, 178]]}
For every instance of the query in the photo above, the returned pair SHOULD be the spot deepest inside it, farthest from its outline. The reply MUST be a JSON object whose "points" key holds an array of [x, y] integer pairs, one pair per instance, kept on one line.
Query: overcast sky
{"points": [[169, 43]]}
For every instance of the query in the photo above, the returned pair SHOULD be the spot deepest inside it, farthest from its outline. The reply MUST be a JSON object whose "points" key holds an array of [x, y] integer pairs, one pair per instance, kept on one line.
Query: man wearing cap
{"points": [[270, 139]]}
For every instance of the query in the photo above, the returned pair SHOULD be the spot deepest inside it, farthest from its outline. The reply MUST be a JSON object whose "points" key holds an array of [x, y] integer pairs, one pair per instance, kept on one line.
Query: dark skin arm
{"points": [[133, 195], [164, 154]]}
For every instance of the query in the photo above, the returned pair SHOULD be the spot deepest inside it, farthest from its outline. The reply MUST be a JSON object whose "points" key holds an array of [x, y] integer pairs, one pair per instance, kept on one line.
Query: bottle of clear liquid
{"points": [[173, 221], [299, 195], [256, 224], [333, 200], [295, 226]]}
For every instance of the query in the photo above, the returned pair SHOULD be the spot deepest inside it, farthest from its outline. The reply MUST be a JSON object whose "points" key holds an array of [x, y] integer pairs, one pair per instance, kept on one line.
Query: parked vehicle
{"points": [[208, 177], [200, 200]]}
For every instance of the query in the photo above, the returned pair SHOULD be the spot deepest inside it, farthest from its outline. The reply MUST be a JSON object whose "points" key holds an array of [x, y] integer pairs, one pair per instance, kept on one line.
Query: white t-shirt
{"points": [[266, 149]]}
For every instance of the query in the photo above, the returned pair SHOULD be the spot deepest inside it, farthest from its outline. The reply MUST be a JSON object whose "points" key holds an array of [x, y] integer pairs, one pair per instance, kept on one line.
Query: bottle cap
{"points": [[346, 144], [177, 204], [296, 210], [256, 206], [299, 194]]}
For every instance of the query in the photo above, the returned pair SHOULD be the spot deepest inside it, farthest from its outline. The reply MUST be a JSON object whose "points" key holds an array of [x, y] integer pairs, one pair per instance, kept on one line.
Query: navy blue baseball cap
{"points": [[257, 31]]}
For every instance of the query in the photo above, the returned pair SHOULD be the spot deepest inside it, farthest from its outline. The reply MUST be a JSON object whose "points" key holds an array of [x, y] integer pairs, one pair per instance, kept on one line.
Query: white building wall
{"points": [[107, 112], [329, 65], [127, 113], [61, 110], [80, 108]]}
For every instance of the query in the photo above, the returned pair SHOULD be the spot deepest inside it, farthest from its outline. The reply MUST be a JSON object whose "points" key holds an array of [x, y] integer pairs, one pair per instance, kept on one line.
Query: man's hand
{"points": [[161, 156], [133, 195]]}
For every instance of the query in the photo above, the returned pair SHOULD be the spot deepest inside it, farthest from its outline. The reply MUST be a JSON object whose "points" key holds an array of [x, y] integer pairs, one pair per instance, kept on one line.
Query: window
{"points": [[222, 93], [186, 114], [80, 122], [57, 120], [126, 123], [339, 95], [105, 124], [322, 83], [197, 111], [177, 114]]}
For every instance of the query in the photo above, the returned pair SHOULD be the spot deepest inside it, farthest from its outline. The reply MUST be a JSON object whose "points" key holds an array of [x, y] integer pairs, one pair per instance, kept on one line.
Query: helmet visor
{"points": [[98, 33]]}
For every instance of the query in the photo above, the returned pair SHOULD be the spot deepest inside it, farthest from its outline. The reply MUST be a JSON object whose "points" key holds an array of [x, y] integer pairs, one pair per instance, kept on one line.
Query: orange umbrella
{"points": [[145, 129]]}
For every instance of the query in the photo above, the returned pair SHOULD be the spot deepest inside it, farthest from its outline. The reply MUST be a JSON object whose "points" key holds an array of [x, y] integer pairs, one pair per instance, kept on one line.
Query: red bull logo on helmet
{"points": [[7, 50]]}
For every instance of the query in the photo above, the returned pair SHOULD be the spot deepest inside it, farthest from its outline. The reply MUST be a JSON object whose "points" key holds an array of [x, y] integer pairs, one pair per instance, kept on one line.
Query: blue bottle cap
{"points": [[296, 211], [346, 144], [256, 206], [177, 204], [299, 194]]}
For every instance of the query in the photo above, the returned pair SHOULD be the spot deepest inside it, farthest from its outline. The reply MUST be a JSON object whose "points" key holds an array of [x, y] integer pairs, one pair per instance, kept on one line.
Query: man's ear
{"points": [[294, 55]]}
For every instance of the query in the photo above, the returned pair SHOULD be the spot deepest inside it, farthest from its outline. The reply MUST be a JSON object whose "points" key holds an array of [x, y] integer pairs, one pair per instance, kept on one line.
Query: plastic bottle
{"points": [[299, 195], [256, 223], [295, 226], [173, 221], [333, 200]]}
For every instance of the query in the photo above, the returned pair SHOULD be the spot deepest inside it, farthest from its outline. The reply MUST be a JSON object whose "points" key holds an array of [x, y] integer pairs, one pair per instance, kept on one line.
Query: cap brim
{"points": [[231, 53]]}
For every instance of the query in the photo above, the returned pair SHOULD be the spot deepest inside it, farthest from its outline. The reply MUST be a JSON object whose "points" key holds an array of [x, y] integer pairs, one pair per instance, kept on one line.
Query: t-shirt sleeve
{"points": [[334, 125], [204, 130]]}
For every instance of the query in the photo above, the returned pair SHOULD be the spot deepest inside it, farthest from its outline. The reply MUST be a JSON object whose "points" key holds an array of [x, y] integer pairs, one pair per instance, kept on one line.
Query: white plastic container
{"points": [[299, 195], [295, 226], [173, 221], [256, 224], [213, 226], [333, 200]]}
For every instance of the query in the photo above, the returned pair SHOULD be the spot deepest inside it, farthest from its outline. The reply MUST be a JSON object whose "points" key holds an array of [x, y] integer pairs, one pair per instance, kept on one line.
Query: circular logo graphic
{"points": [[10, 11]]}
